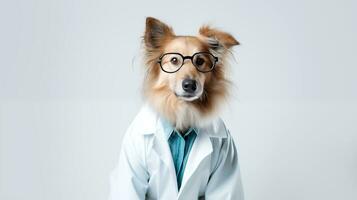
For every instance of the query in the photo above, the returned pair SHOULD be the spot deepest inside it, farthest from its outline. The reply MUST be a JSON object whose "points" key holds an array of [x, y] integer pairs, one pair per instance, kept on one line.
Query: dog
{"points": [[177, 147]]}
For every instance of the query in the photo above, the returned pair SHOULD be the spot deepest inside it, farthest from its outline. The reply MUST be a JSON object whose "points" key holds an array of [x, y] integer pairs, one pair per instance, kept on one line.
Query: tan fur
{"points": [[159, 39]]}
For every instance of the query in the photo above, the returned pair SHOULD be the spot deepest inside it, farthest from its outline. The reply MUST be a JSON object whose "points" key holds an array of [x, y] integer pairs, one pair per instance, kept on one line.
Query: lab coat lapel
{"points": [[201, 148], [162, 149]]}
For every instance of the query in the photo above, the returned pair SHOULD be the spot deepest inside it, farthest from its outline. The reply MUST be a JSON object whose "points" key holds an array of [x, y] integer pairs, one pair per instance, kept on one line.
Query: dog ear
{"points": [[217, 39], [156, 32]]}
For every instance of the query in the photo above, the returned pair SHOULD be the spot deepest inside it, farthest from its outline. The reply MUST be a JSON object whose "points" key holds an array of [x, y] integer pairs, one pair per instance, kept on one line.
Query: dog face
{"points": [[187, 83], [185, 74]]}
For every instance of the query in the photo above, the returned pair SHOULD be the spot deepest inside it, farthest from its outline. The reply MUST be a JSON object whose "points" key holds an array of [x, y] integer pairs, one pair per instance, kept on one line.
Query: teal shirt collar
{"points": [[169, 129]]}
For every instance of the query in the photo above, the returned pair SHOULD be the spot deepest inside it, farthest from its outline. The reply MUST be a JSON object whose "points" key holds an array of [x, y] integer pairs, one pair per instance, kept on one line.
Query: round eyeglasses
{"points": [[172, 62]]}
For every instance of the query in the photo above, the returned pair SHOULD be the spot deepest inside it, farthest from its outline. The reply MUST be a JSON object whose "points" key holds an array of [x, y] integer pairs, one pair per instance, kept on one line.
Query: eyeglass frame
{"points": [[188, 57]]}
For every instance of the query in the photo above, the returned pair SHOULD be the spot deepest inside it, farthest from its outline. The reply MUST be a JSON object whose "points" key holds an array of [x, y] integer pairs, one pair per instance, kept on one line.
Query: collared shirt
{"points": [[180, 146]]}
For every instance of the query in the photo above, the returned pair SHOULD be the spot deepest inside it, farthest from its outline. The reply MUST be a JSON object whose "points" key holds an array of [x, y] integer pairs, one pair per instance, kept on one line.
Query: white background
{"points": [[70, 78]]}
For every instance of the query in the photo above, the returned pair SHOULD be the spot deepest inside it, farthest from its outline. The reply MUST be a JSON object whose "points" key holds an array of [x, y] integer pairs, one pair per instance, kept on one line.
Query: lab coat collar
{"points": [[202, 147]]}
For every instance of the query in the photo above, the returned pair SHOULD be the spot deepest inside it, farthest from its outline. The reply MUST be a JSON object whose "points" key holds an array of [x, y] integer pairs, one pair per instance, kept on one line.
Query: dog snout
{"points": [[189, 85]]}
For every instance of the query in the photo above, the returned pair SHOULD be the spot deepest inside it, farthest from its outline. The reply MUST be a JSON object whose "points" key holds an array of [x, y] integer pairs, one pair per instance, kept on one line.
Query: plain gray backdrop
{"points": [[70, 78]]}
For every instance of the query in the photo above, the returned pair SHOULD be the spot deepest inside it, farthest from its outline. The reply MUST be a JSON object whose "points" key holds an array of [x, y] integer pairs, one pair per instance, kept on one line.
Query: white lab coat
{"points": [[146, 170]]}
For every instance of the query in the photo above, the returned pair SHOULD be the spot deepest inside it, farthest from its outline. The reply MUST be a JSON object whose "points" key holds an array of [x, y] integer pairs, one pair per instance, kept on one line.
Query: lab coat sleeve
{"points": [[225, 180], [130, 178]]}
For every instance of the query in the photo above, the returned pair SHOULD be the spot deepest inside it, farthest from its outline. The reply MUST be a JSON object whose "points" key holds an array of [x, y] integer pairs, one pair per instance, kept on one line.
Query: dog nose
{"points": [[189, 85]]}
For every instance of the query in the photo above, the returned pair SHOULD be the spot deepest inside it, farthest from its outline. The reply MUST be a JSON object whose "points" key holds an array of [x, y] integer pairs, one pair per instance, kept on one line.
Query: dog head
{"points": [[185, 74]]}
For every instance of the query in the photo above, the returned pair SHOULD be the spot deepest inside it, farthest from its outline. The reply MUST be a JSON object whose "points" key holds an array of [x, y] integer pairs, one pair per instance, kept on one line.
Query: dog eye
{"points": [[174, 60], [199, 61]]}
